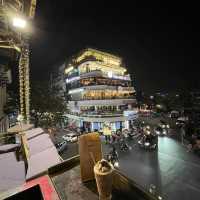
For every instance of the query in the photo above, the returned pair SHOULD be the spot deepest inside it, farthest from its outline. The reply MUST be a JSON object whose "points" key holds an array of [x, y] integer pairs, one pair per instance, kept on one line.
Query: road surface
{"points": [[175, 172]]}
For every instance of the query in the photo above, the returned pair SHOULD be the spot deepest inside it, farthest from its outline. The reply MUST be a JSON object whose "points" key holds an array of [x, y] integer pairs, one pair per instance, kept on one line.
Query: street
{"points": [[173, 170]]}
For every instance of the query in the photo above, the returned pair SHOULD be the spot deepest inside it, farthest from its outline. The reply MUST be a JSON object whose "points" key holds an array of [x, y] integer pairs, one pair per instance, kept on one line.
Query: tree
{"points": [[12, 104], [47, 106]]}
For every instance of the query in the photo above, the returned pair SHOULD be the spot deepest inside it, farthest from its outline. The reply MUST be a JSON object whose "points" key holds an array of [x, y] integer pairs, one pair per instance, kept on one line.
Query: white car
{"points": [[71, 137]]}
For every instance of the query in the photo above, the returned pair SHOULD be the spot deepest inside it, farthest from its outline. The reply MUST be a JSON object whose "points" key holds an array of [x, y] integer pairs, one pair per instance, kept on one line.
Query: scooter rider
{"points": [[148, 139]]}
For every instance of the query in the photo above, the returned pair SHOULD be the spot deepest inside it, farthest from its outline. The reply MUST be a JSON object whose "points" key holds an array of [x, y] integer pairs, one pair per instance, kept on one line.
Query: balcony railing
{"points": [[100, 98], [92, 74], [78, 85], [107, 98], [104, 113]]}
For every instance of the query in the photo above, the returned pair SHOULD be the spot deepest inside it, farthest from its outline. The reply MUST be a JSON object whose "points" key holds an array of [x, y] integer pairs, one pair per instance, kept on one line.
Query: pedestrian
{"points": [[107, 134], [192, 143], [182, 134]]}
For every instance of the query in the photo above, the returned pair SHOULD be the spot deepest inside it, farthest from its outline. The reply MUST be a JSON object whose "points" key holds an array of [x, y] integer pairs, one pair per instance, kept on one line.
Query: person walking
{"points": [[107, 134], [182, 130]]}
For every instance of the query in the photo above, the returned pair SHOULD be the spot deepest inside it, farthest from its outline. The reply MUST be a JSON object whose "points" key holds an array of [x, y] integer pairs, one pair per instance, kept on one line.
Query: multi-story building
{"points": [[99, 91]]}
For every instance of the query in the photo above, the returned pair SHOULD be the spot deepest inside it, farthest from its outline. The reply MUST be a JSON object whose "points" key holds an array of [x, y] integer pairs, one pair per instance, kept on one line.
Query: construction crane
{"points": [[14, 16]]}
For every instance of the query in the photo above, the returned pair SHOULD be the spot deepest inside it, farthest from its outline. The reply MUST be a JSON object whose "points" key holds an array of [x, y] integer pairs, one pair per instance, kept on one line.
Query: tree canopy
{"points": [[46, 104]]}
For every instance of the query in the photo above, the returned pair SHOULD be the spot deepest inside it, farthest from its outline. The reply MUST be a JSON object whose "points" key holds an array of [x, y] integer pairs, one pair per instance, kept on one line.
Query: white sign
{"points": [[69, 80], [75, 91], [126, 77], [131, 114]]}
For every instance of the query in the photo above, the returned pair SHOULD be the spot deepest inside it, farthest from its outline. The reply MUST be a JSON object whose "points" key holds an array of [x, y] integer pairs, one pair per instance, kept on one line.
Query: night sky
{"points": [[159, 43]]}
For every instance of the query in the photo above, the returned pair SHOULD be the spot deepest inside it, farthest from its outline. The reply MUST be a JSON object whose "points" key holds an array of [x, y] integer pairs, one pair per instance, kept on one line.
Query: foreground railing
{"points": [[121, 183], [61, 178]]}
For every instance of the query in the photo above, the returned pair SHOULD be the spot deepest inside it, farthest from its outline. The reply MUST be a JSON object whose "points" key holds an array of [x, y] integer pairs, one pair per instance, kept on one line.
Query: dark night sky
{"points": [[158, 42]]}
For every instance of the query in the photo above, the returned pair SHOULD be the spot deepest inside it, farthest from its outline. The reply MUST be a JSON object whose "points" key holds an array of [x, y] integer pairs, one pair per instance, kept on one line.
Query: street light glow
{"points": [[20, 118], [19, 22]]}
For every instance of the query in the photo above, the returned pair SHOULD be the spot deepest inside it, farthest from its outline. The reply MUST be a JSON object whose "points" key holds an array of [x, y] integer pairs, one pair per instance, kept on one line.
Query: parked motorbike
{"points": [[113, 158], [124, 146]]}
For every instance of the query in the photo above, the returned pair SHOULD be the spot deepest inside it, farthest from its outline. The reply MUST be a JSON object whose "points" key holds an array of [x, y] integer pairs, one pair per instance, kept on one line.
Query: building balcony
{"points": [[98, 73], [96, 118], [107, 98], [96, 92], [101, 99], [95, 73], [97, 113], [121, 104], [92, 83]]}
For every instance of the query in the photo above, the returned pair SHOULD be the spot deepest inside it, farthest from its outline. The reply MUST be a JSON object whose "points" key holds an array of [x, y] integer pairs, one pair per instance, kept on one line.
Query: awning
{"points": [[33, 133]]}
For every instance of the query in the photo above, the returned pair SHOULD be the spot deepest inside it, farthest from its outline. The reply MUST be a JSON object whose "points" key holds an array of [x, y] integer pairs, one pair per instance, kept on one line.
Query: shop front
{"points": [[131, 116], [96, 126], [90, 124]]}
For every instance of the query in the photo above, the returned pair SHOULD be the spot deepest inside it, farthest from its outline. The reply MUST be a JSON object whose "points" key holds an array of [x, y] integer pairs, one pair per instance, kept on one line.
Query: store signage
{"points": [[69, 80], [131, 114]]}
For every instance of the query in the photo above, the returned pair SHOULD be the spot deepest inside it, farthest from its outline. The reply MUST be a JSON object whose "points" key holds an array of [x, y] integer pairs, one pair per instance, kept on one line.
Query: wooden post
{"points": [[90, 152], [25, 149]]}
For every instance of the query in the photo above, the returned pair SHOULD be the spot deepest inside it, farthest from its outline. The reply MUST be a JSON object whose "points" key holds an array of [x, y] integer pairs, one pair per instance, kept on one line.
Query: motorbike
{"points": [[113, 158], [161, 131], [123, 145], [148, 142], [132, 134]]}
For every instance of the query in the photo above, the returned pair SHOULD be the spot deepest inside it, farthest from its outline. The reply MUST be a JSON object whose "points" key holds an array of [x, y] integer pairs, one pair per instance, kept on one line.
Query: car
{"points": [[71, 137], [61, 146]]}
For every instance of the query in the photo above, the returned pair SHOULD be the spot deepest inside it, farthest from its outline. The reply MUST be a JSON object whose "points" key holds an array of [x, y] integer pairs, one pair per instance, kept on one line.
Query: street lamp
{"points": [[20, 118], [19, 22]]}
